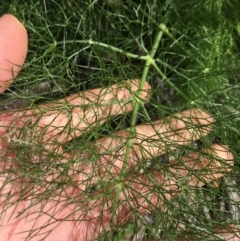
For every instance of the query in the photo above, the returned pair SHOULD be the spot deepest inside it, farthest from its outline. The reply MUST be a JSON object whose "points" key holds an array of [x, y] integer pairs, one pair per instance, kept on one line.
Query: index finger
{"points": [[68, 118]]}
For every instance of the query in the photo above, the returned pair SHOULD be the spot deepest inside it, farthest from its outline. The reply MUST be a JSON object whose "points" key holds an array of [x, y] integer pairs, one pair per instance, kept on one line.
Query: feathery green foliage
{"points": [[187, 50]]}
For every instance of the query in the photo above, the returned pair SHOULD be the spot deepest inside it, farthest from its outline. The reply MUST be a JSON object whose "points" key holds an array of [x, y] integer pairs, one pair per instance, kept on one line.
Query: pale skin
{"points": [[89, 213]]}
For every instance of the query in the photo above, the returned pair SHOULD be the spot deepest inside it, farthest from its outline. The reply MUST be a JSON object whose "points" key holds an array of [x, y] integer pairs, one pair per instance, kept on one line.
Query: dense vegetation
{"points": [[78, 45]]}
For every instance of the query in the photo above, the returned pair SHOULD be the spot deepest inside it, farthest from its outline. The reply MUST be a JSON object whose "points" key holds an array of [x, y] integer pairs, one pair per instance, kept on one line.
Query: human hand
{"points": [[88, 189]]}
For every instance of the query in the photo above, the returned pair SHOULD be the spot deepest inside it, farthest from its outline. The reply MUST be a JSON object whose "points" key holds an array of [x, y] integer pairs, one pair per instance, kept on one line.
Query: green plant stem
{"points": [[132, 131], [149, 61], [91, 42]]}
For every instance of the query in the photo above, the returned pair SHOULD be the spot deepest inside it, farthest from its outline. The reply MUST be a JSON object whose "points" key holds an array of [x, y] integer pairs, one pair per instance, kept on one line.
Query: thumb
{"points": [[13, 49]]}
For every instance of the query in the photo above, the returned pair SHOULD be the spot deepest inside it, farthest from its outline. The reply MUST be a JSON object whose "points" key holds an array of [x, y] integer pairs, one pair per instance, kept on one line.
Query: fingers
{"points": [[229, 233], [152, 140], [13, 49], [141, 193], [150, 190], [69, 117]]}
